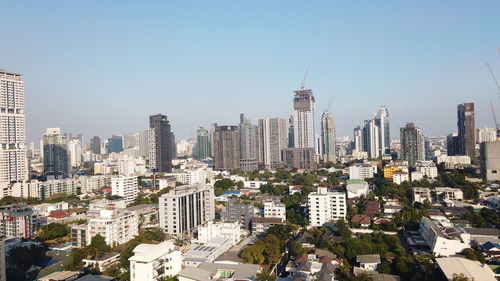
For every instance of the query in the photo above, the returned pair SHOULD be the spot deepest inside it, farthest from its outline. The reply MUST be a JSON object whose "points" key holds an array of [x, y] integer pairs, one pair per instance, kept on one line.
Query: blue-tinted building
{"points": [[115, 144]]}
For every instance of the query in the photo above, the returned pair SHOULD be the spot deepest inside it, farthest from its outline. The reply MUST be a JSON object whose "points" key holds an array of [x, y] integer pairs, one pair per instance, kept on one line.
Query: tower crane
{"points": [[303, 83], [491, 103]]}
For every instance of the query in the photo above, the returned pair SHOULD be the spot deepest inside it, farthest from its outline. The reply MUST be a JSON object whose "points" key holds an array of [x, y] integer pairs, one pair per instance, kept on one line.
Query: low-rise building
{"points": [[154, 262], [230, 230], [261, 225], [399, 177], [453, 161], [17, 221], [368, 262], [206, 253], [361, 171], [237, 210], [473, 270], [102, 261], [220, 271], [356, 188], [422, 194], [448, 193], [275, 210], [443, 241], [427, 168], [325, 206]]}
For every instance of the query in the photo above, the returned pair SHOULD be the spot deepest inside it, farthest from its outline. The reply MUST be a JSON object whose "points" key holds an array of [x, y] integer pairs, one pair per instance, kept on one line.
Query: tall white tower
{"points": [[13, 160], [303, 119]]}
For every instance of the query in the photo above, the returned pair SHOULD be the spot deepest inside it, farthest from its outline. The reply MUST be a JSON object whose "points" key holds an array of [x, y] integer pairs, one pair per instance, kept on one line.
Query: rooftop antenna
{"points": [[302, 84]]}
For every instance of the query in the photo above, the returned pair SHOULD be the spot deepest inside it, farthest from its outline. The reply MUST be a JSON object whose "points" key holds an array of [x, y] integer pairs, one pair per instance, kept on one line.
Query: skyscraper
{"points": [[273, 138], [382, 123], [466, 130], [160, 145], [225, 147], [412, 144], [115, 144], [249, 145], [303, 119], [95, 145], [375, 137], [75, 152], [55, 154], [13, 160], [328, 137], [203, 145], [358, 139]]}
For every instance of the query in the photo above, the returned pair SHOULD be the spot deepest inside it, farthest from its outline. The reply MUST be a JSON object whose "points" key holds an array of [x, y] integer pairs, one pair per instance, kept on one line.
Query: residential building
{"points": [[13, 157], [325, 206], [368, 262], [3, 274], [303, 119], [17, 221], [155, 262], [186, 207], [55, 154], [116, 226], [412, 144], [273, 138], [126, 187], [225, 147], [299, 158], [472, 270], [230, 230], [95, 145], [239, 211], [205, 253], [248, 145], [161, 144], [443, 241], [203, 147], [328, 138], [75, 152], [362, 171], [94, 183], [427, 168], [261, 225], [490, 160], [452, 147], [356, 188], [453, 161], [220, 271], [399, 177], [486, 134], [466, 130], [275, 210], [449, 193], [374, 136]]}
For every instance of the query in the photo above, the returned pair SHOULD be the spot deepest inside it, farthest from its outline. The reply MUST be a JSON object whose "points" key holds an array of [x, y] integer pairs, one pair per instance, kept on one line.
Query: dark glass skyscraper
{"points": [[160, 144], [466, 130], [203, 146], [95, 145], [55, 154]]}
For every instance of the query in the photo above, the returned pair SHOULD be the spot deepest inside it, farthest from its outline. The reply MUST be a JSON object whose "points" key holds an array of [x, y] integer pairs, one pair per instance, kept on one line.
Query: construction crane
{"points": [[491, 103], [330, 101], [303, 83]]}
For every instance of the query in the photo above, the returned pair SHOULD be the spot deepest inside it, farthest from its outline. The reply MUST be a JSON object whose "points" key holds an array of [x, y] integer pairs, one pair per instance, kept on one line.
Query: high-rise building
{"points": [[374, 136], [225, 147], [358, 139], [486, 134], [328, 138], [173, 147], [13, 160], [452, 144], [303, 119], [125, 186], [95, 145], [55, 154], [115, 144], [326, 206], [412, 144], [75, 152], [299, 158], [249, 145], [143, 143], [290, 133], [17, 221], [203, 145], [160, 144], [273, 138], [490, 160], [185, 207], [466, 130]]}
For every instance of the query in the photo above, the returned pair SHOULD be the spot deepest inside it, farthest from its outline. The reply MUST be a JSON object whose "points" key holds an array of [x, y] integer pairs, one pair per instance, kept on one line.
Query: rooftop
{"points": [[368, 258], [471, 269]]}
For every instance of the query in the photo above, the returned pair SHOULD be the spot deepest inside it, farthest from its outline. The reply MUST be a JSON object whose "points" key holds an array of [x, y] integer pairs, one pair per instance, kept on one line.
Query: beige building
{"points": [[225, 147]]}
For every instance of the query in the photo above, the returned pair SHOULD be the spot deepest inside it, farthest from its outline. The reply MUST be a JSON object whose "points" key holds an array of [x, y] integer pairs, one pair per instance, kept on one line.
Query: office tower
{"points": [[55, 154], [126, 187], [115, 144], [249, 145], [95, 145], [358, 139], [328, 137], [160, 144], [486, 134], [186, 207], [490, 160], [382, 123], [466, 130], [326, 206], [412, 144], [273, 138], [452, 144], [225, 147], [370, 138], [203, 145], [75, 152], [299, 158], [303, 119], [13, 160]]}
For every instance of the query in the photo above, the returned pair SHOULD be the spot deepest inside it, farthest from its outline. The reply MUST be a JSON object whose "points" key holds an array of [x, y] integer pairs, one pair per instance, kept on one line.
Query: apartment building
{"points": [[325, 206]]}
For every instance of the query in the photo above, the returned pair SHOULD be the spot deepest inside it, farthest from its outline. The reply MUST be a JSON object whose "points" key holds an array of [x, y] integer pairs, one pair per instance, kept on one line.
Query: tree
{"points": [[253, 254], [343, 228], [97, 246], [265, 276], [281, 231], [52, 231], [296, 249], [461, 277]]}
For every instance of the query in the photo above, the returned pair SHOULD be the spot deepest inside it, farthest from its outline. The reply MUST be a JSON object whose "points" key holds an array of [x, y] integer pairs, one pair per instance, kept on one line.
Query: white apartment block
{"points": [[486, 134], [325, 206], [427, 168], [356, 188], [45, 208], [275, 210], [125, 186], [190, 176], [185, 207], [399, 177], [75, 152], [40, 189], [94, 183], [453, 162], [13, 158], [225, 229], [361, 171], [17, 221], [155, 262], [117, 227]]}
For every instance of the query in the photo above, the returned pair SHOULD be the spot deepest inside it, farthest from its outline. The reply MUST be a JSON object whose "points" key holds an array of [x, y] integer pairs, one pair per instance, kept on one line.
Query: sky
{"points": [[102, 67]]}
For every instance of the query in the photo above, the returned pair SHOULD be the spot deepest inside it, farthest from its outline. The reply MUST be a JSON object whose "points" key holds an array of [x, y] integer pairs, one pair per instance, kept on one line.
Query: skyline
{"points": [[83, 84]]}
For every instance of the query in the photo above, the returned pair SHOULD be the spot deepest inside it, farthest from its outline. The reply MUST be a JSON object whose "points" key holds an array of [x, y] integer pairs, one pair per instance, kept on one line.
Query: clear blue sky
{"points": [[101, 67]]}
